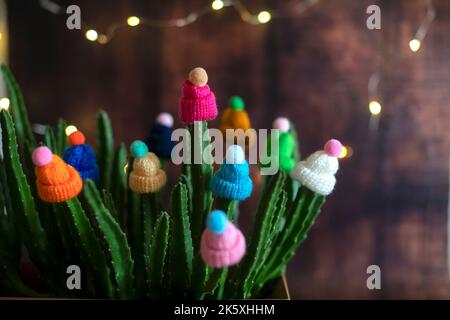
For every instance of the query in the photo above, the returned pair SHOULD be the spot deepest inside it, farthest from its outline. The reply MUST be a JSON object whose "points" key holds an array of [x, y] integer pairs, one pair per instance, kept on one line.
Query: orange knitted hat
{"points": [[147, 175], [235, 117], [56, 181]]}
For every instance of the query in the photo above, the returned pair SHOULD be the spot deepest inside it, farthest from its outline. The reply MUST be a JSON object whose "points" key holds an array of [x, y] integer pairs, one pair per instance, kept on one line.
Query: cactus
{"points": [[129, 245]]}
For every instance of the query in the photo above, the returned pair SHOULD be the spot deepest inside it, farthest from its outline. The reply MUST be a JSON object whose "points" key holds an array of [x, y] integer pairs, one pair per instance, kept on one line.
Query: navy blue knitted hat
{"points": [[81, 156], [232, 180], [159, 140]]}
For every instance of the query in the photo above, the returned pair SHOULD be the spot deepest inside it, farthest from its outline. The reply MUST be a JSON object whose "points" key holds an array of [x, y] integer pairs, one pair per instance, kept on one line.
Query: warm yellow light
{"points": [[133, 21], [91, 35], [344, 152], [102, 39], [1, 36], [414, 45], [264, 17], [125, 168], [374, 107], [217, 4], [70, 129], [4, 104]]}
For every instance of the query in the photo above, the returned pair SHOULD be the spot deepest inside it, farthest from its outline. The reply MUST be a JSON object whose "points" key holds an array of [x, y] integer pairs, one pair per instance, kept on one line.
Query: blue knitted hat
{"points": [[232, 180], [81, 156], [159, 139]]}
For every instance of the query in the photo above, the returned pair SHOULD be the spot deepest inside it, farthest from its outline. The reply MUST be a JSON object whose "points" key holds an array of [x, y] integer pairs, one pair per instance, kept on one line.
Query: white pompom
{"points": [[235, 155]]}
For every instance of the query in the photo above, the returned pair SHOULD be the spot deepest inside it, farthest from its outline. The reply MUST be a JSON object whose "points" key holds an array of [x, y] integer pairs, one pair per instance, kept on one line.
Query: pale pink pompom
{"points": [[224, 249], [333, 148], [281, 124], [42, 156], [165, 119]]}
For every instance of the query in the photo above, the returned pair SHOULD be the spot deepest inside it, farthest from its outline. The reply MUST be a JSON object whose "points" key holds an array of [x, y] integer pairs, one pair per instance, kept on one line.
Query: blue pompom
{"points": [[217, 221], [138, 149]]}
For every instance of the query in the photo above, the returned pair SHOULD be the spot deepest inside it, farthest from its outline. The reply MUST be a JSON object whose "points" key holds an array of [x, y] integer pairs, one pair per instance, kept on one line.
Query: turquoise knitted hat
{"points": [[232, 180]]}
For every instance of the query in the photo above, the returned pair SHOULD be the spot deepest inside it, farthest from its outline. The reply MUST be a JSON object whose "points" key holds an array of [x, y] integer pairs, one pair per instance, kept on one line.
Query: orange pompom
{"points": [[76, 138]]}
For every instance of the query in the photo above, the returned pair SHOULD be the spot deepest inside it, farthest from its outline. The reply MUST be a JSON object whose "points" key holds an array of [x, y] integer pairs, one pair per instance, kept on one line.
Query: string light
{"points": [[91, 35], [125, 168], [346, 152], [1, 36], [217, 4], [133, 21], [375, 107], [70, 129], [102, 39], [414, 45], [416, 42], [296, 9], [4, 104], [264, 17]]}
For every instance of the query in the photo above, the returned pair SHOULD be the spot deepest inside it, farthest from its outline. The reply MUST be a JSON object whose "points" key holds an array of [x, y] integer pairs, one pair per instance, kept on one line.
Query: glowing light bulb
{"points": [[264, 17], [70, 129], [125, 168], [4, 104], [414, 45], [374, 107], [133, 21], [344, 152], [217, 4], [102, 39], [91, 35], [1, 36]]}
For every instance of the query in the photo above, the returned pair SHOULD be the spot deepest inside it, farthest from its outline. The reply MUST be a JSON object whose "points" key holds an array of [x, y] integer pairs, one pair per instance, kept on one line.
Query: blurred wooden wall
{"points": [[390, 204]]}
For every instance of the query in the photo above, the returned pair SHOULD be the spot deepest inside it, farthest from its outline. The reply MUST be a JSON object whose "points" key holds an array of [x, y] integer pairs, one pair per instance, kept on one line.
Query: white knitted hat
{"points": [[318, 170]]}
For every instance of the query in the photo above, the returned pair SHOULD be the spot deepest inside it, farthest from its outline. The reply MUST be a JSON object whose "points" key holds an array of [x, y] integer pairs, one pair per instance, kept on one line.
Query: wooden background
{"points": [[390, 204]]}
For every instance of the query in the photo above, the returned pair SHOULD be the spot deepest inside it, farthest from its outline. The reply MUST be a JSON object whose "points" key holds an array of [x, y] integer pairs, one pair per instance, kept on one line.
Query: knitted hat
{"points": [[286, 143], [56, 181], [81, 156], [198, 102], [147, 175], [222, 244], [159, 139], [235, 116], [318, 170], [232, 180]]}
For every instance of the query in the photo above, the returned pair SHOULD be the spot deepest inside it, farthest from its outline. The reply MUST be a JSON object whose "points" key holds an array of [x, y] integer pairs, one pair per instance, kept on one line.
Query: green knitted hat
{"points": [[286, 151]]}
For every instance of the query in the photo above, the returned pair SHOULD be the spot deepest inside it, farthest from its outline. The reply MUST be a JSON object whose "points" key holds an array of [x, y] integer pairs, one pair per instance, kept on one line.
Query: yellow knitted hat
{"points": [[147, 175]]}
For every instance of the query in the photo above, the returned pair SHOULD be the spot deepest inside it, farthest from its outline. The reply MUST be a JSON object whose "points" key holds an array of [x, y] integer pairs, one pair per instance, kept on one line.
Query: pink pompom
{"points": [[282, 124], [42, 156], [165, 119], [333, 148]]}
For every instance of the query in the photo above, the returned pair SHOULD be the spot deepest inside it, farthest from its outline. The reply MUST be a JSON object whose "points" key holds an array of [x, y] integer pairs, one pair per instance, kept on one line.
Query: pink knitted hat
{"points": [[198, 102], [222, 244]]}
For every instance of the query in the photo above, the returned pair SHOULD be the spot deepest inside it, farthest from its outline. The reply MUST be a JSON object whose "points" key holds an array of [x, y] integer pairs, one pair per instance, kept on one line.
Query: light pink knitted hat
{"points": [[198, 102], [222, 243]]}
